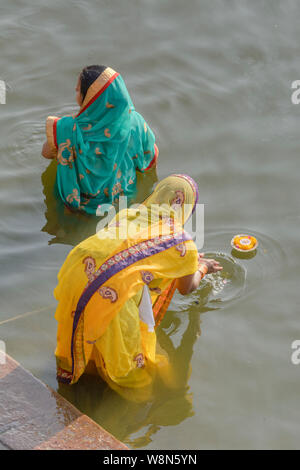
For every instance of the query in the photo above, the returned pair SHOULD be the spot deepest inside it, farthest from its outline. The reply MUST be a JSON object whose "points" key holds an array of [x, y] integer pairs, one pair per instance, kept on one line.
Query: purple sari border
{"points": [[165, 244], [63, 380]]}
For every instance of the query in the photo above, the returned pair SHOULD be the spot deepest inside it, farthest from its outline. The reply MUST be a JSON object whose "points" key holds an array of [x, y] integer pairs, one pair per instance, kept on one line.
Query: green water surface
{"points": [[213, 79]]}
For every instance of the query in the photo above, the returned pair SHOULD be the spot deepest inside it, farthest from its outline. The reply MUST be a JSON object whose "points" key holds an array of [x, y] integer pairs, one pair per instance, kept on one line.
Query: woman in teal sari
{"points": [[99, 150]]}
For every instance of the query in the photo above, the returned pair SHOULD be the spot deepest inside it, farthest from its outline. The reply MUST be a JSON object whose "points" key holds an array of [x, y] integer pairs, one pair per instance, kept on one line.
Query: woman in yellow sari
{"points": [[115, 287]]}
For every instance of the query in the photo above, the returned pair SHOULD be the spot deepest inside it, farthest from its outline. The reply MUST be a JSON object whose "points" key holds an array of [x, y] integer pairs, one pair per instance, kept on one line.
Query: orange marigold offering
{"points": [[244, 242]]}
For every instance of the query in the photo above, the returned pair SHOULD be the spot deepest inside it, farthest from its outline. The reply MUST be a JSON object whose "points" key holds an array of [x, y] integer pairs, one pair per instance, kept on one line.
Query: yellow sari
{"points": [[101, 285]]}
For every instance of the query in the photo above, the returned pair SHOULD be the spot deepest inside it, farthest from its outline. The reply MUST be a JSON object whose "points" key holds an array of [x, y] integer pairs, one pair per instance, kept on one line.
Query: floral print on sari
{"points": [[103, 136]]}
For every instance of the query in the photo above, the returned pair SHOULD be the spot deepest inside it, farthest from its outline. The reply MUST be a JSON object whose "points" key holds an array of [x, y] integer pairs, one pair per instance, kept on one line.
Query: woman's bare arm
{"points": [[187, 284], [46, 151]]}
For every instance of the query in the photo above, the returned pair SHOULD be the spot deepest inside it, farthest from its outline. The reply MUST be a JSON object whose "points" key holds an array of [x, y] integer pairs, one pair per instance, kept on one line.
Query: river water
{"points": [[213, 79]]}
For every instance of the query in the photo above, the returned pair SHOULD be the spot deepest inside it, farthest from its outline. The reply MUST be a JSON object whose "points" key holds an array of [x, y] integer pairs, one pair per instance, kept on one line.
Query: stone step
{"points": [[34, 416]]}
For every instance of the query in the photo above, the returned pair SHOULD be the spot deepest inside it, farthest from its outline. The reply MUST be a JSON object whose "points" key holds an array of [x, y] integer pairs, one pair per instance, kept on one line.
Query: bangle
{"points": [[203, 270]]}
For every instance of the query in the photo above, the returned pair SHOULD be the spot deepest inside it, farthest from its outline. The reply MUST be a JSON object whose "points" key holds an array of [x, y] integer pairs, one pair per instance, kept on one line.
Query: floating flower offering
{"points": [[244, 243]]}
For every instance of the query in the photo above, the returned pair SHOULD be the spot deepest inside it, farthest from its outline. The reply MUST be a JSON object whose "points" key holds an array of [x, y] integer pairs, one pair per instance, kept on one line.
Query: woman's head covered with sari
{"points": [[99, 150], [87, 77], [176, 193], [165, 211]]}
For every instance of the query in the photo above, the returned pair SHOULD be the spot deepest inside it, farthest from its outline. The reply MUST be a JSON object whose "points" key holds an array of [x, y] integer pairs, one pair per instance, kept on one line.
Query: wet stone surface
{"points": [[33, 416]]}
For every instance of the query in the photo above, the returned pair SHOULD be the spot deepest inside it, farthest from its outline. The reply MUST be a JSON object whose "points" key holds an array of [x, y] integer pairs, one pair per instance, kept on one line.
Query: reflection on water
{"points": [[136, 423], [65, 226], [259, 266], [72, 227], [226, 286]]}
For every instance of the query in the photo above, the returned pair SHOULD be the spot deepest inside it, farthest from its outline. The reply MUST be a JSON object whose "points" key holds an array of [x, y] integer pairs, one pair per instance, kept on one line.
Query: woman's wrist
{"points": [[203, 269]]}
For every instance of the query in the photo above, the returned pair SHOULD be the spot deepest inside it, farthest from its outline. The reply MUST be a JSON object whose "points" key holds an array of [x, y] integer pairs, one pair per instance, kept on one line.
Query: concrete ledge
{"points": [[33, 416]]}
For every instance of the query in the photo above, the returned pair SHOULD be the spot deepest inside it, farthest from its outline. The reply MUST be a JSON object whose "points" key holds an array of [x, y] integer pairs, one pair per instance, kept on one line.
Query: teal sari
{"points": [[99, 150]]}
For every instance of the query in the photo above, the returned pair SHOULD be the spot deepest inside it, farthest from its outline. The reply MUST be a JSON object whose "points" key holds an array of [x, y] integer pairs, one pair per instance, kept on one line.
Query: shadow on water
{"points": [[71, 228]]}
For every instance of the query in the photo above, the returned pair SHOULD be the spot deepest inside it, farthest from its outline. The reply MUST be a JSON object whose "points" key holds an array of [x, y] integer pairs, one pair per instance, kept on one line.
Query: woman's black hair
{"points": [[88, 75]]}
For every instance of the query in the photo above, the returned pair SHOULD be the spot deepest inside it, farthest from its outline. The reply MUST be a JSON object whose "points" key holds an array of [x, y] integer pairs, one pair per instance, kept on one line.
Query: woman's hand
{"points": [[187, 284], [212, 265]]}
